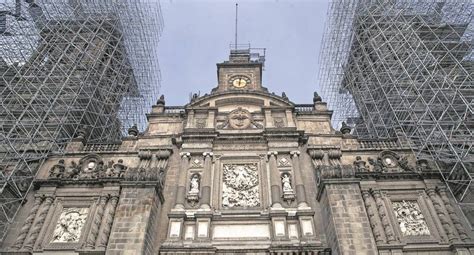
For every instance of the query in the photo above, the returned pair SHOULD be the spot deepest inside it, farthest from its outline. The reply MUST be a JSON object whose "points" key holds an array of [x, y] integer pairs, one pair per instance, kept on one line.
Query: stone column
{"points": [[373, 215], [433, 197], [27, 225], [92, 237], [454, 217], [389, 233], [206, 181], [274, 179], [42, 213], [181, 191], [109, 219], [299, 185]]}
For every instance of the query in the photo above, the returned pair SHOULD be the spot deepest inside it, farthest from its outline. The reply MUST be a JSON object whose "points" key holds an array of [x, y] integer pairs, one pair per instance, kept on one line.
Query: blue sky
{"points": [[197, 34]]}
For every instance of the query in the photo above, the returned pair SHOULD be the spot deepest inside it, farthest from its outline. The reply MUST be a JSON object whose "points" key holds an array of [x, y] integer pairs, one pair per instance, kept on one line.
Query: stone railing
{"points": [[304, 107], [102, 146], [174, 109], [378, 143]]}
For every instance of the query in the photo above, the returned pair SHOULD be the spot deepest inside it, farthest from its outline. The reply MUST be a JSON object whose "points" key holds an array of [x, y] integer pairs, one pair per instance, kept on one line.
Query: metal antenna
{"points": [[236, 19]]}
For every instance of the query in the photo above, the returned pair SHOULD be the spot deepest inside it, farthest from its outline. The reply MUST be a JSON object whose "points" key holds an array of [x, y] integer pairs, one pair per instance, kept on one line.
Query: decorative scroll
{"points": [[240, 187], [411, 220], [70, 224]]}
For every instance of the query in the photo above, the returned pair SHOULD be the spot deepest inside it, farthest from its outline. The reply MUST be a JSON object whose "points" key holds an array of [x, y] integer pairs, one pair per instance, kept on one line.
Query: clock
{"points": [[239, 81]]}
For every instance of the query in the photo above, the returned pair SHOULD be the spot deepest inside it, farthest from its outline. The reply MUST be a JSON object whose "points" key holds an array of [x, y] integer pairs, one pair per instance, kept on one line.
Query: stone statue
{"points": [[109, 171], [57, 171], [72, 171], [378, 166], [286, 183], [403, 163], [119, 169], [194, 184], [360, 165]]}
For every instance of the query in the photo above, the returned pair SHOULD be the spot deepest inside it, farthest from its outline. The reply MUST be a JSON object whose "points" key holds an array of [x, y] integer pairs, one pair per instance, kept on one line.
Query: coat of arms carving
{"points": [[240, 187]]}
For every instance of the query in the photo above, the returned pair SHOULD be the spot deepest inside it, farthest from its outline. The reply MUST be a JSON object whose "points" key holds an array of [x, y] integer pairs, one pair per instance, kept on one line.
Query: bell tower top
{"points": [[243, 70]]}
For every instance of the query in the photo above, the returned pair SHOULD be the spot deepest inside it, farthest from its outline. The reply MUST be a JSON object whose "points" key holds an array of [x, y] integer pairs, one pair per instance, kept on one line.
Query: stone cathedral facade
{"points": [[239, 171]]}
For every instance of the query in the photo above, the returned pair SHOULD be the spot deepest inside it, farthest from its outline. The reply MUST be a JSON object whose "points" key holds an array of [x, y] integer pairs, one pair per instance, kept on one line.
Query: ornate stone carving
{"points": [[390, 162], [360, 165], [89, 167], [240, 187], [239, 119], [28, 222], [69, 226], [384, 217], [452, 214], [194, 187], [284, 162], [278, 122], [201, 123], [411, 220], [196, 163], [317, 156], [373, 215], [288, 192], [92, 237], [441, 214], [334, 157], [377, 164], [109, 218], [57, 170], [331, 172], [116, 170], [38, 224]]}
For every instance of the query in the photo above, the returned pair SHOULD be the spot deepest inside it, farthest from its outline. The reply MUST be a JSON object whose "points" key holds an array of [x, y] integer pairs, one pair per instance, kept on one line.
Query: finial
{"points": [[316, 97], [345, 129], [161, 101], [133, 131]]}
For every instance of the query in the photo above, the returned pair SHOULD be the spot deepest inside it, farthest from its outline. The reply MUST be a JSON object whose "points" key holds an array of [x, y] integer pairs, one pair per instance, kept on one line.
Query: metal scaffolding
{"points": [[404, 69], [68, 66]]}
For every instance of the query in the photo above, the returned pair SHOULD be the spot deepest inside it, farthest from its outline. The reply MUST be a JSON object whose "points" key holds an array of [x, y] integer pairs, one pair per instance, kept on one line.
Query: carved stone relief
{"points": [[360, 165], [239, 119], [89, 167], [240, 187], [278, 122], [283, 162], [69, 226], [411, 220], [201, 123]]}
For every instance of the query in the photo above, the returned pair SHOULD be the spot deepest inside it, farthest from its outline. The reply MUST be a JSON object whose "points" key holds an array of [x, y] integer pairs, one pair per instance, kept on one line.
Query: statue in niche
{"points": [[360, 165], [193, 194], [194, 184], [286, 183], [70, 224], [57, 171], [288, 193]]}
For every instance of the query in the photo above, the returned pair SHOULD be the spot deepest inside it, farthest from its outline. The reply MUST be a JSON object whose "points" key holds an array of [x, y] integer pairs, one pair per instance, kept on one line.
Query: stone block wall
{"points": [[134, 219], [345, 220]]}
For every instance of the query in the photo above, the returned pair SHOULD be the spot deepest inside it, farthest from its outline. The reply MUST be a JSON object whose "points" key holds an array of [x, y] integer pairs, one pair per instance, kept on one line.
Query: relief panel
{"points": [[70, 224], [410, 219], [240, 186]]}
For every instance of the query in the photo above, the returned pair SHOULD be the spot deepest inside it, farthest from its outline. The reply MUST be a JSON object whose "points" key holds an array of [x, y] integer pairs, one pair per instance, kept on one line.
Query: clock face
{"points": [[239, 81]]}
